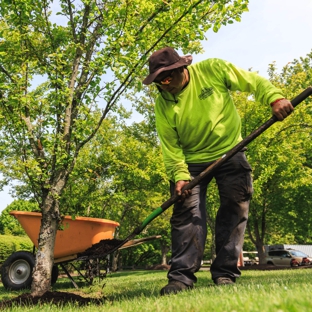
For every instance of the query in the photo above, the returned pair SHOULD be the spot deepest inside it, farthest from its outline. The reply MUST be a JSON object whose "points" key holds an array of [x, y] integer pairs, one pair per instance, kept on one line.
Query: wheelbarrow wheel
{"points": [[16, 271]]}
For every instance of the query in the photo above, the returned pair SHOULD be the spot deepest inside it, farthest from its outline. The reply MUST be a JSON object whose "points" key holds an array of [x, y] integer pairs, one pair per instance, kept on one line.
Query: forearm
{"points": [[266, 92]]}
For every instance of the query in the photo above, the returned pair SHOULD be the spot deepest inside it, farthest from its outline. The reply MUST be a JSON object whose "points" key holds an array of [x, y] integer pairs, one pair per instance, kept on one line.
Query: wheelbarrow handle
{"points": [[215, 165]]}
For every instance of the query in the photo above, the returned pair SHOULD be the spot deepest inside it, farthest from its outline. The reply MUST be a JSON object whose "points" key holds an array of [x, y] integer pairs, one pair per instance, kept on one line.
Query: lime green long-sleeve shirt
{"points": [[201, 123]]}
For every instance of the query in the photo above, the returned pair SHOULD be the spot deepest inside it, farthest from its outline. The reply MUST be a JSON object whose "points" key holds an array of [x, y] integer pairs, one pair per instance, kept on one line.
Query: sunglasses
{"points": [[165, 81]]}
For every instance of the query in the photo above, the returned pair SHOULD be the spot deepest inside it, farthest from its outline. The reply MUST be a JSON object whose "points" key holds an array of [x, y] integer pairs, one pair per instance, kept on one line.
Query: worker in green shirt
{"points": [[197, 123]]}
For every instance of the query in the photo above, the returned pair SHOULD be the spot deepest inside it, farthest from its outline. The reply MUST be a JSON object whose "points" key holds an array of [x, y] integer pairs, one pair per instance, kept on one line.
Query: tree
{"points": [[87, 56]]}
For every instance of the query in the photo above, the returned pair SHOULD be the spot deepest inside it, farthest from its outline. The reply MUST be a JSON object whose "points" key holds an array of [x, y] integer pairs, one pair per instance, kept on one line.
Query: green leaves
{"points": [[55, 75]]}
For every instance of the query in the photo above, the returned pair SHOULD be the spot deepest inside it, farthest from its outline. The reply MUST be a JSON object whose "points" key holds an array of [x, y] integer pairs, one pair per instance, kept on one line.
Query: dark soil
{"points": [[63, 298], [101, 249], [50, 297]]}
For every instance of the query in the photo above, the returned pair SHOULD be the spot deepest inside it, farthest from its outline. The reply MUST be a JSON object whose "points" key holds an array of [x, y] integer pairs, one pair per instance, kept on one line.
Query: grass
{"points": [[269, 291]]}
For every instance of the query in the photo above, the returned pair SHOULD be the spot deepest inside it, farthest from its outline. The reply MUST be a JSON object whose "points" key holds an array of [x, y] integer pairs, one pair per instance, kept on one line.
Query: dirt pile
{"points": [[102, 248], [50, 297]]}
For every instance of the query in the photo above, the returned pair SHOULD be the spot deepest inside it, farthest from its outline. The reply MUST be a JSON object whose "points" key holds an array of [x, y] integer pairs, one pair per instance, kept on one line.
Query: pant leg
{"points": [[188, 232], [235, 189]]}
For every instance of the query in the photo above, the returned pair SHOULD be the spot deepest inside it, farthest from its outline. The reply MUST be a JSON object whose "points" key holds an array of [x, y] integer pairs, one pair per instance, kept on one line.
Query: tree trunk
{"points": [[45, 254], [115, 259], [257, 236], [261, 254], [164, 250]]}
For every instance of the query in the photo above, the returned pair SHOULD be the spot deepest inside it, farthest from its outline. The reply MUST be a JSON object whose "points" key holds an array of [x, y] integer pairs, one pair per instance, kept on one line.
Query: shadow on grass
{"points": [[64, 283], [111, 289]]}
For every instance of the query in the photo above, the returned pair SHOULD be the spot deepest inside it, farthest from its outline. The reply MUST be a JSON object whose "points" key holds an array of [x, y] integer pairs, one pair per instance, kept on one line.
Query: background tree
{"points": [[85, 60]]}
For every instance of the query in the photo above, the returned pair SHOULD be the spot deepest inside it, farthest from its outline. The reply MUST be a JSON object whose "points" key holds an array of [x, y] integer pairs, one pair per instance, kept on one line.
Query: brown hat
{"points": [[163, 60]]}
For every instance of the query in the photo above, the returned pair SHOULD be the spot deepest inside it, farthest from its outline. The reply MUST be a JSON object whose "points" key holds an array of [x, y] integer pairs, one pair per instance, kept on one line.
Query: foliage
{"points": [[85, 63], [212, 204]]}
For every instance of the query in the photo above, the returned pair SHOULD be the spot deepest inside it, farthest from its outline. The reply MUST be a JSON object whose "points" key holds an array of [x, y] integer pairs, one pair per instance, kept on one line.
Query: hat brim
{"points": [[184, 61]]}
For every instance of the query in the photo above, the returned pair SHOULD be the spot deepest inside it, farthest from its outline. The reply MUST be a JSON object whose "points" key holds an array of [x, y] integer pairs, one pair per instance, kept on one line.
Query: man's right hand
{"points": [[282, 108], [178, 189]]}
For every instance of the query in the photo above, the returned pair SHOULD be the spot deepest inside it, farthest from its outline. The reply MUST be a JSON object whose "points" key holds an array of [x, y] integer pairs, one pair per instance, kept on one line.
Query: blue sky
{"points": [[272, 30]]}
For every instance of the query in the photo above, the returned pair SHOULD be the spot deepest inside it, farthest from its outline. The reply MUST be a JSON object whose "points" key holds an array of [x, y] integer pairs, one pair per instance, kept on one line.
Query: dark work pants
{"points": [[189, 227]]}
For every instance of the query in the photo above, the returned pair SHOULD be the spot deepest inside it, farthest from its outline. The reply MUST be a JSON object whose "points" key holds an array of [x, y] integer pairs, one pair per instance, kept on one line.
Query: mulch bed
{"points": [[50, 297]]}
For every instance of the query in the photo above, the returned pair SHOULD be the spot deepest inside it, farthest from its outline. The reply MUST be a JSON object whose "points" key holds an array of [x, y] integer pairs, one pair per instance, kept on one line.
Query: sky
{"points": [[272, 30]]}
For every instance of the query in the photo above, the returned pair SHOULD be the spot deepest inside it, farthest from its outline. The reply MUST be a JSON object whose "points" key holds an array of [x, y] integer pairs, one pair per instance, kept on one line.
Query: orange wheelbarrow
{"points": [[77, 235]]}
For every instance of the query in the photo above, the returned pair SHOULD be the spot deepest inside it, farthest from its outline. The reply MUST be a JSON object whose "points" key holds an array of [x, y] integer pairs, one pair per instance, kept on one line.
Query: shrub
{"points": [[10, 244]]}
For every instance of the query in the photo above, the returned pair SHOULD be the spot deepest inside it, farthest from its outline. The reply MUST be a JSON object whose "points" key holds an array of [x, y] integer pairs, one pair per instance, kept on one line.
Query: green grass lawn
{"points": [[265, 291]]}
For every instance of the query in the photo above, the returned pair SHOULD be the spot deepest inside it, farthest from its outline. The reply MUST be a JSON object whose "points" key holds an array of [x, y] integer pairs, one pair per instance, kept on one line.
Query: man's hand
{"points": [[178, 189], [281, 109]]}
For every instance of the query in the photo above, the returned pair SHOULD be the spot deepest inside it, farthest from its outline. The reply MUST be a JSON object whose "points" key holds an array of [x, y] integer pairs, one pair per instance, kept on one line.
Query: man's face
{"points": [[171, 81]]}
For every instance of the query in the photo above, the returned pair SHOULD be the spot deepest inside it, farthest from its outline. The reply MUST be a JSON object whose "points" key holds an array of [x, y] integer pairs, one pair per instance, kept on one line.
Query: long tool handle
{"points": [[215, 165]]}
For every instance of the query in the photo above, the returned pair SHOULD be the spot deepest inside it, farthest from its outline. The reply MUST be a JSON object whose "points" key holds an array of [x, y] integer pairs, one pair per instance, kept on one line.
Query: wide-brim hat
{"points": [[163, 60]]}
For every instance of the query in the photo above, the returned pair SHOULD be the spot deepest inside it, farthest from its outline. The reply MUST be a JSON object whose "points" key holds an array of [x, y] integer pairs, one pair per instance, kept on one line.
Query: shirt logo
{"points": [[205, 92]]}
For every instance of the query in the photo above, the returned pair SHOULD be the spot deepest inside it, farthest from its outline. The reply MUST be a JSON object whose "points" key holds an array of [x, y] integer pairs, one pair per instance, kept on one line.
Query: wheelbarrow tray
{"points": [[76, 235]]}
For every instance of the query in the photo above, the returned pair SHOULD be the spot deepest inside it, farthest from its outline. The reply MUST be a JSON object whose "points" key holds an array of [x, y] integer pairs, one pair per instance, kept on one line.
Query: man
{"points": [[197, 123]]}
